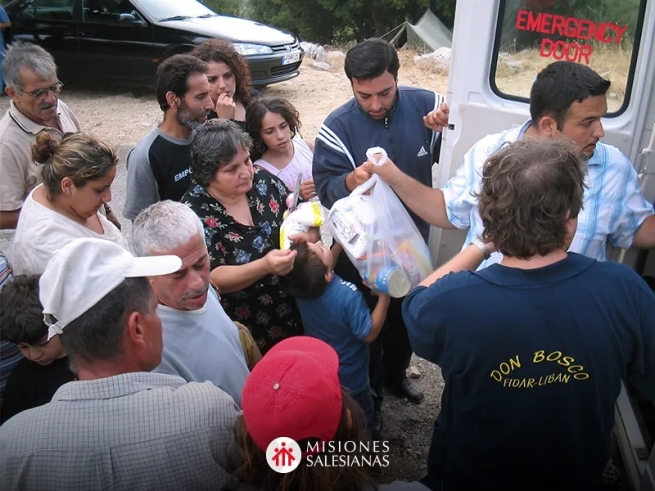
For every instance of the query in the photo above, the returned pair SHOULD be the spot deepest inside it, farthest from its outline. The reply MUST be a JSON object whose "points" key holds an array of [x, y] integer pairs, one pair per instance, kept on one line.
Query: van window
{"points": [[531, 34]]}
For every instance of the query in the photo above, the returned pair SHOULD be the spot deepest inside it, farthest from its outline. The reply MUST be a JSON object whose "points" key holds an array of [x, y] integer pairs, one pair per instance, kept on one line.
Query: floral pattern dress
{"points": [[268, 311]]}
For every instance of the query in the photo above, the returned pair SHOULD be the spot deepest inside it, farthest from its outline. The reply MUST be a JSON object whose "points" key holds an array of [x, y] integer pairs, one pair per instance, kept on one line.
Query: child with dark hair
{"points": [[44, 367], [273, 123], [334, 311], [10, 355]]}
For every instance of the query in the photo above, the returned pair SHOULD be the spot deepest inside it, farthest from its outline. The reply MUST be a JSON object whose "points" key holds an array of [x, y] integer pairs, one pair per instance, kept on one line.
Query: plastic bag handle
{"points": [[372, 152], [365, 186], [370, 155]]}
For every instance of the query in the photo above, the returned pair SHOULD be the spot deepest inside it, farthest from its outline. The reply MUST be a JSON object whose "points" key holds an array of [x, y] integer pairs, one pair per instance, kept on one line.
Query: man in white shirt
{"points": [[33, 87]]}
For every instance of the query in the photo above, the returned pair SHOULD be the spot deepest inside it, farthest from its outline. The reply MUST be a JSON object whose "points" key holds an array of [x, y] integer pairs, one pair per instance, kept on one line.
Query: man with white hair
{"points": [[118, 426], [200, 341], [33, 87]]}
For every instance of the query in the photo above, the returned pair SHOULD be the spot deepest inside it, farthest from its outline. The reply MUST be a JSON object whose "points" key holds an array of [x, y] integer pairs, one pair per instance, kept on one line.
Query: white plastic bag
{"points": [[379, 236], [304, 217]]}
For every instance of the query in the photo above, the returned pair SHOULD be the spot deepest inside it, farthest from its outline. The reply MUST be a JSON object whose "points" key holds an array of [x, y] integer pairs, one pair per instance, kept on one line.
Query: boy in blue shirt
{"points": [[334, 311]]}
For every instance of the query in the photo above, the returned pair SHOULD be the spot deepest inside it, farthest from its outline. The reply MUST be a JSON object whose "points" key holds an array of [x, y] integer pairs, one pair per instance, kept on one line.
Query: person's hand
{"points": [[367, 285], [280, 262], [388, 171], [312, 236], [437, 119], [226, 108], [307, 190], [359, 176], [380, 296]]}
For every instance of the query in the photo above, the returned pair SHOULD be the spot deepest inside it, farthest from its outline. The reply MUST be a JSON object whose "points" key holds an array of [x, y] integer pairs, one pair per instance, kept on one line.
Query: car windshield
{"points": [[174, 9]]}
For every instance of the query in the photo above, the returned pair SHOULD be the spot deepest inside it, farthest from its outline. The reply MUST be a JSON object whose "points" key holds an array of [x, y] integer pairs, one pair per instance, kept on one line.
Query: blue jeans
{"points": [[364, 398]]}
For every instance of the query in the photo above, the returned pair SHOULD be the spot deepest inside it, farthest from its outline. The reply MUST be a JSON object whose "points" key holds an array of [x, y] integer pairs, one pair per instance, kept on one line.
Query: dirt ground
{"points": [[121, 117]]}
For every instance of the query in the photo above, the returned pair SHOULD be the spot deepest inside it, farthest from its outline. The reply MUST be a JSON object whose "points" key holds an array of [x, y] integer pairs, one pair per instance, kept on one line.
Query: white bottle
{"points": [[304, 217]]}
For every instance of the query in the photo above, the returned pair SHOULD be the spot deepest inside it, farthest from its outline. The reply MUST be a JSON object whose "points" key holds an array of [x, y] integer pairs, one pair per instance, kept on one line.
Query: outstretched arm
{"points": [[426, 202], [645, 236]]}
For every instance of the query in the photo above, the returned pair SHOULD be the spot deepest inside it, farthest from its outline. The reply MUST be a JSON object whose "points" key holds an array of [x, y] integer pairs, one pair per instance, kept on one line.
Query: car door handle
{"points": [[88, 32]]}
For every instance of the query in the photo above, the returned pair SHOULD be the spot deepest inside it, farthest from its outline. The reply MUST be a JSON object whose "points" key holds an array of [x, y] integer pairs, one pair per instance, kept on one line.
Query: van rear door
{"points": [[500, 45], [498, 48]]}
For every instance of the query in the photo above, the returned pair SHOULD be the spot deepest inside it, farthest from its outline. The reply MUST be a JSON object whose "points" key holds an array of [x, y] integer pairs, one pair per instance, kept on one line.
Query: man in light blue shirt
{"points": [[567, 100]]}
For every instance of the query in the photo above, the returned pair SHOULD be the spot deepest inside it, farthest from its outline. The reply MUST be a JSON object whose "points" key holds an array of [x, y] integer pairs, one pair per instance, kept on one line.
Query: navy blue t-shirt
{"points": [[341, 318], [533, 362]]}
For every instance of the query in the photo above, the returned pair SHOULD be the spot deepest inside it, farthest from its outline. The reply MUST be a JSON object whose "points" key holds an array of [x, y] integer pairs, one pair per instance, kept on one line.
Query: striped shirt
{"points": [[127, 432], [348, 132], [613, 205]]}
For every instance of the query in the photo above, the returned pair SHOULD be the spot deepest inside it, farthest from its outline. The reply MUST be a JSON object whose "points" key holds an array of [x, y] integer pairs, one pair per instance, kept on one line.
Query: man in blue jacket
{"points": [[403, 121]]}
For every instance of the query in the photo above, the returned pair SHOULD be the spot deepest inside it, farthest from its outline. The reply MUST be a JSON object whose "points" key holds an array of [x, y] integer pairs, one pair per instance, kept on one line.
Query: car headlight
{"points": [[252, 49]]}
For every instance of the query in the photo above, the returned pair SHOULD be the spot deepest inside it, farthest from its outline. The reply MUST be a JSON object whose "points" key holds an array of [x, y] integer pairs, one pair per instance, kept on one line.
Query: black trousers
{"points": [[391, 352]]}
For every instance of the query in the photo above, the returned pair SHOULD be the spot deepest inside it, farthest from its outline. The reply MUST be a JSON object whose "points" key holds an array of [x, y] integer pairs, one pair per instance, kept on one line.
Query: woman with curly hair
{"points": [[242, 209], [229, 79]]}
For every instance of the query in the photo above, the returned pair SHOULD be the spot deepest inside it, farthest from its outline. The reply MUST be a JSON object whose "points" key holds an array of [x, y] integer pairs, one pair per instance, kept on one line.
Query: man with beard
{"points": [[200, 341], [567, 101], [33, 88], [403, 121], [159, 166]]}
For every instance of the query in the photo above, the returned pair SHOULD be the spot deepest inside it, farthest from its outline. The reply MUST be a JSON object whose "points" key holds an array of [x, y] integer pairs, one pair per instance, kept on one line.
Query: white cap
{"points": [[82, 272]]}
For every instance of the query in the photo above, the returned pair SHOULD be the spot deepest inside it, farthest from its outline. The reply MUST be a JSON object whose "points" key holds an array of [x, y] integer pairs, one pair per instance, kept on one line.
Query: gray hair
{"points": [[163, 227], [215, 145], [97, 335], [28, 56]]}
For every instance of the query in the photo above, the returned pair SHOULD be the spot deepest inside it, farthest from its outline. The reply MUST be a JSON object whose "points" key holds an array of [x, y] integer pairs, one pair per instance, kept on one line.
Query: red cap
{"points": [[293, 392]]}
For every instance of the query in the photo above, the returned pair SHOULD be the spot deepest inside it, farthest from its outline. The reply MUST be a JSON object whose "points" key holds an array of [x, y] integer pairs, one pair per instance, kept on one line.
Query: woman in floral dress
{"points": [[241, 209]]}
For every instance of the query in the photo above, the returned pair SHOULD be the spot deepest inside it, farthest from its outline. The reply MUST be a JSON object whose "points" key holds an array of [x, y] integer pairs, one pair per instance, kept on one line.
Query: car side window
{"points": [[531, 34], [106, 11], [48, 10]]}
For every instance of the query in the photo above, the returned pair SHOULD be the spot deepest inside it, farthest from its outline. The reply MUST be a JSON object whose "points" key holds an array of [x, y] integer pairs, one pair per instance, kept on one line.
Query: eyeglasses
{"points": [[43, 93]]}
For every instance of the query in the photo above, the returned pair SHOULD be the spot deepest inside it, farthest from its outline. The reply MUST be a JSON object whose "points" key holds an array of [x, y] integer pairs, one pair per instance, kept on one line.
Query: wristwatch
{"points": [[486, 252], [107, 209]]}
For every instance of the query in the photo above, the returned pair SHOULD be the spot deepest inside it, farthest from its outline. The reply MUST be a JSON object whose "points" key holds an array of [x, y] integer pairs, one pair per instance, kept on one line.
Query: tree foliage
{"points": [[226, 7], [307, 19], [623, 12], [322, 21]]}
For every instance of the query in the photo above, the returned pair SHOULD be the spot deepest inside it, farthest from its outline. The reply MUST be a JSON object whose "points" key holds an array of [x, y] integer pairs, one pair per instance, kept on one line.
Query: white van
{"points": [[498, 48]]}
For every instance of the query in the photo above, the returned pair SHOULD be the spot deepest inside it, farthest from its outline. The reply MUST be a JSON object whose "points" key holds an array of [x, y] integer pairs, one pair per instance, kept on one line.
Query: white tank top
{"points": [[301, 163]]}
